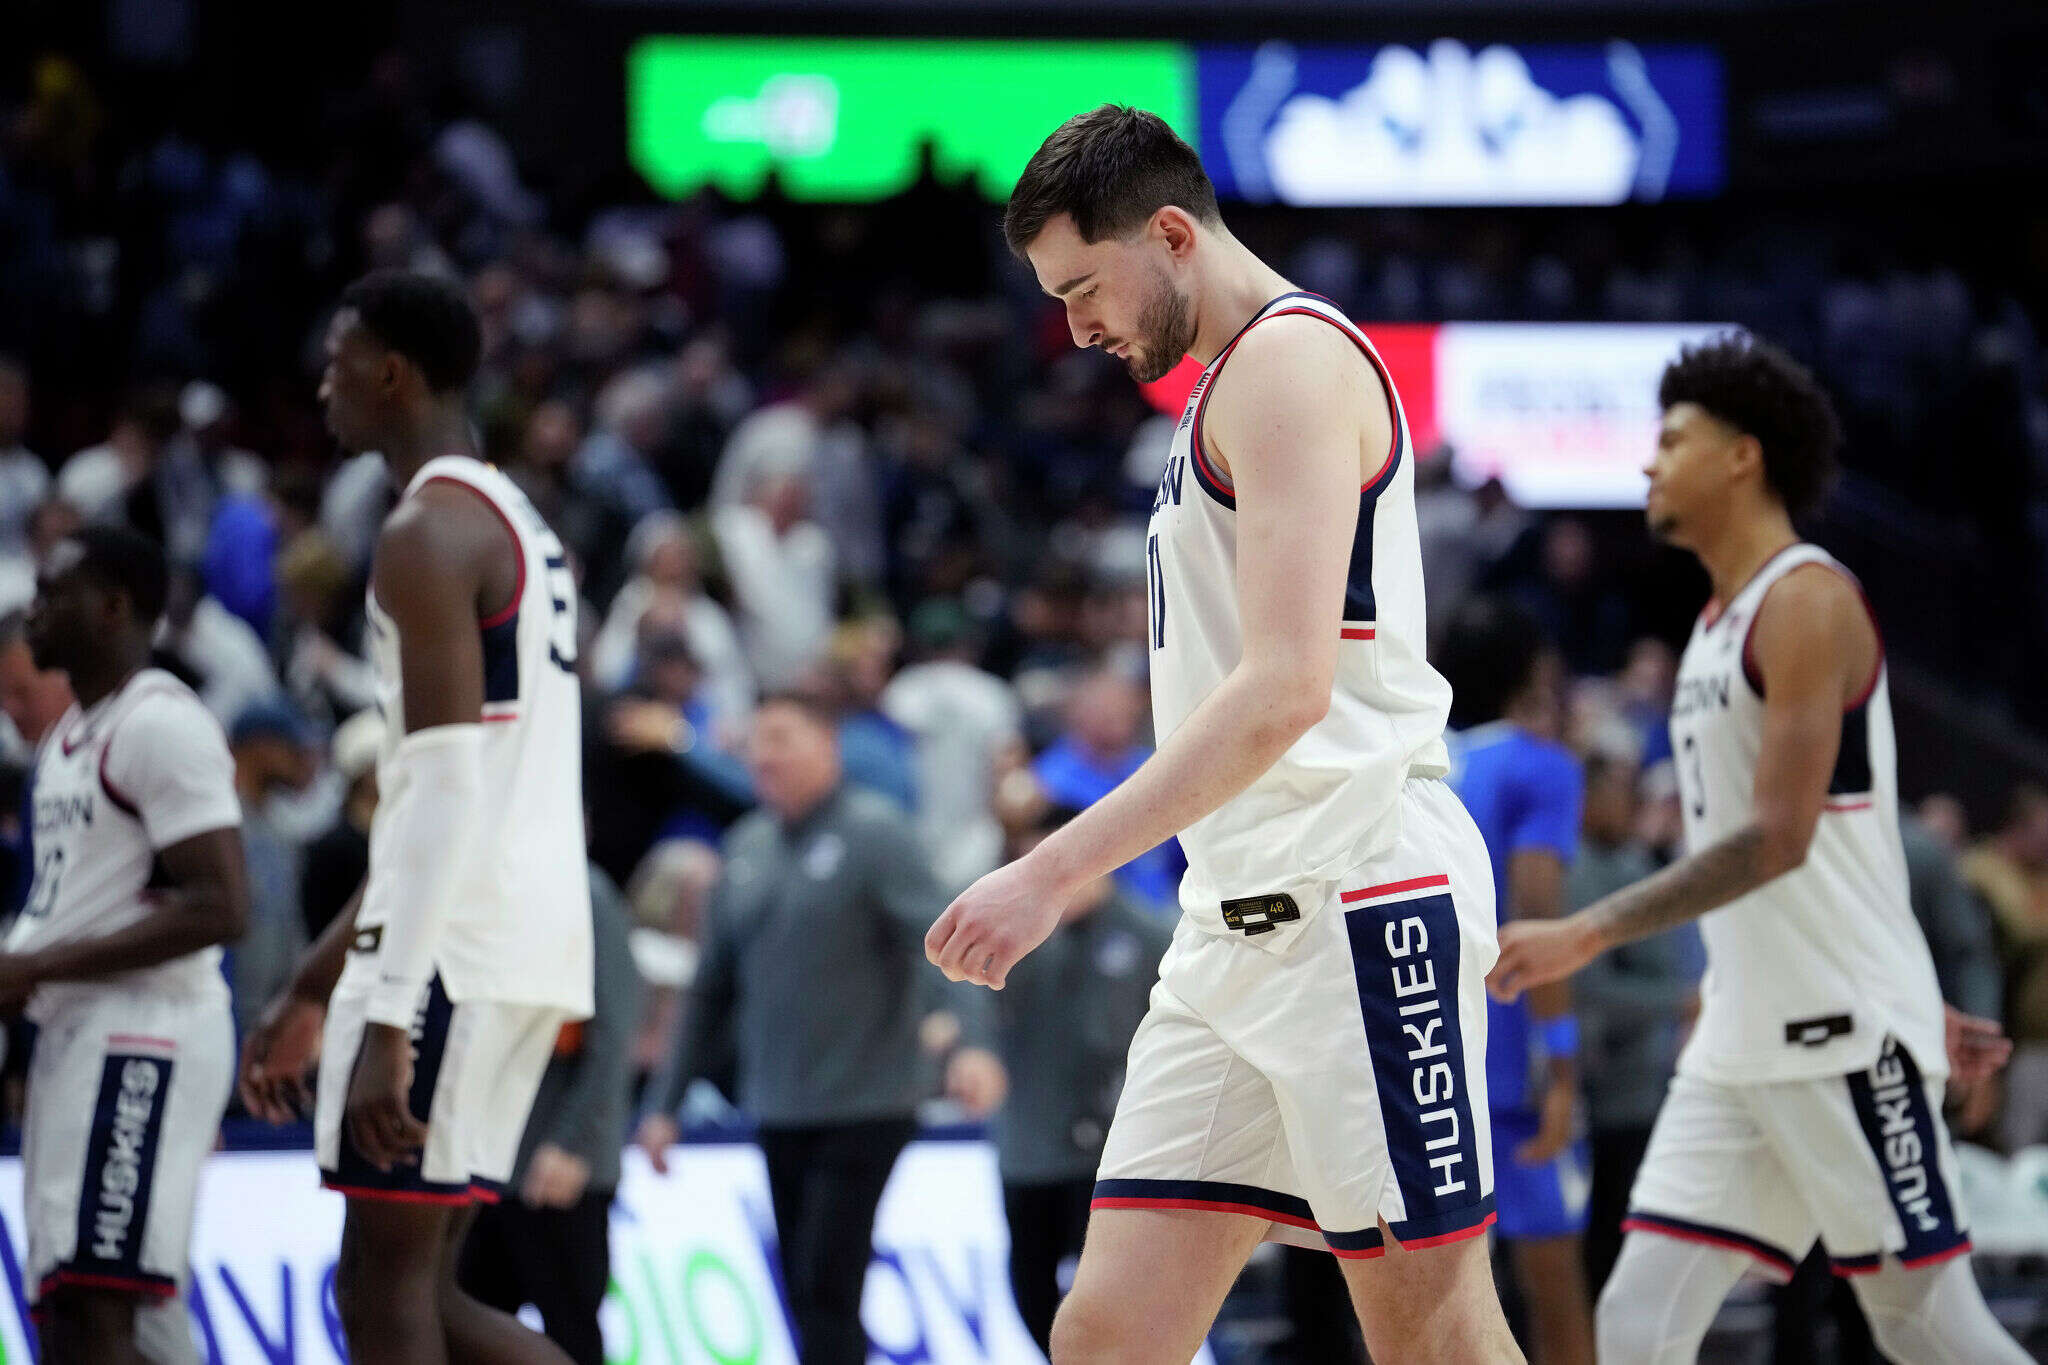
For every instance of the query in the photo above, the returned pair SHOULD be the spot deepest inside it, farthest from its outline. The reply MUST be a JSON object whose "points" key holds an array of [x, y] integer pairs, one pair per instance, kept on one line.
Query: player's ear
{"points": [[1176, 228], [1745, 456]]}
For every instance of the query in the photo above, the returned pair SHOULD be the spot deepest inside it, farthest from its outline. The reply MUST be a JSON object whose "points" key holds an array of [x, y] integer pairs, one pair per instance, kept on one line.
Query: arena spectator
{"points": [[965, 720], [98, 479], [1101, 748], [548, 1242], [337, 861], [878, 753], [1631, 1004], [274, 756], [218, 653], [662, 555], [781, 568], [1064, 1022], [24, 480], [2010, 871], [31, 699]]}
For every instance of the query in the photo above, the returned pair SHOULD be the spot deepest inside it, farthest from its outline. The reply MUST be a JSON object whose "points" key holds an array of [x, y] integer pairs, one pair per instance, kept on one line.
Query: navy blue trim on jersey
{"points": [[501, 659], [1852, 759], [1856, 1265], [1438, 1228], [1211, 482], [1219, 1196], [1901, 1128], [353, 1174], [1405, 956], [120, 1171], [1711, 1234]]}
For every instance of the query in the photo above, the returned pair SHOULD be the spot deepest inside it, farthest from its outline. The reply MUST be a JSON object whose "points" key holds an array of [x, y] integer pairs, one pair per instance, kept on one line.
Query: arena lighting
{"points": [[845, 119]]}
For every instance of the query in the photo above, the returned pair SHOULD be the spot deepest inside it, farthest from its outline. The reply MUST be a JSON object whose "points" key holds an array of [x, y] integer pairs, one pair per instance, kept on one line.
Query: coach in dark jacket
{"points": [[814, 978]]}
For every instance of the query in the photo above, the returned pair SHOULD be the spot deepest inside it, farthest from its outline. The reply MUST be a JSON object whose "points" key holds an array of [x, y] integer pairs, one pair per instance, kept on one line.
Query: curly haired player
{"points": [[1808, 1103]]}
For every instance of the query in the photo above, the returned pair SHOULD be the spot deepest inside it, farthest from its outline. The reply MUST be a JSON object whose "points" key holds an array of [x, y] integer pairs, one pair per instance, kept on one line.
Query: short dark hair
{"points": [[1763, 392], [1111, 169], [117, 557], [13, 626], [816, 707], [424, 318], [1488, 656]]}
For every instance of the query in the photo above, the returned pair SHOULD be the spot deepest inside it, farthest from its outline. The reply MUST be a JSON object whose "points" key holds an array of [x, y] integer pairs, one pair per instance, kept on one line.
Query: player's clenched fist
{"points": [[1538, 952], [994, 923]]}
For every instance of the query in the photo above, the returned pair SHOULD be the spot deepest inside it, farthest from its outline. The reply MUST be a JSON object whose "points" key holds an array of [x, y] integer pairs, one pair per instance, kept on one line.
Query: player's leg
{"points": [[387, 1281], [488, 1269], [492, 1064], [1431, 1304], [1662, 1297], [1150, 1283], [1935, 1315], [475, 1334], [80, 1326], [1712, 1200], [1194, 1172], [1542, 1215], [1551, 1274], [1384, 1098]]}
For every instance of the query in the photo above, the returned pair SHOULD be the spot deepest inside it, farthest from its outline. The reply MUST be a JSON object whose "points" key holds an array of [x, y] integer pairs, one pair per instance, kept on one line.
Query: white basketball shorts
{"points": [[476, 1067], [1861, 1162], [1340, 1082], [125, 1096]]}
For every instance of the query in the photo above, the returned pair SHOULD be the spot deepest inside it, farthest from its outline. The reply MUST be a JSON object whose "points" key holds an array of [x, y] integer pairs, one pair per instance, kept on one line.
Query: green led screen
{"points": [[842, 119]]}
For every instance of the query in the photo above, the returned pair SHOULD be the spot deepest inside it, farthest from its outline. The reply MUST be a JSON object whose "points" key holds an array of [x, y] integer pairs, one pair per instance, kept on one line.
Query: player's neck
{"points": [[1733, 558], [1237, 287], [93, 683], [444, 431]]}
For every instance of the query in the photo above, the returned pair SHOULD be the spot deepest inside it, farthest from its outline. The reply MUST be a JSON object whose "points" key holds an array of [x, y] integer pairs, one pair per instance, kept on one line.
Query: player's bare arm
{"points": [[1815, 648], [1292, 425], [206, 903], [434, 556], [284, 1043]]}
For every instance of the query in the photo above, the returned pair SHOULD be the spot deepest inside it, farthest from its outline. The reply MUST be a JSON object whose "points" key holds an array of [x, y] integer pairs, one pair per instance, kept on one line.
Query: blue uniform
{"points": [[1523, 793]]}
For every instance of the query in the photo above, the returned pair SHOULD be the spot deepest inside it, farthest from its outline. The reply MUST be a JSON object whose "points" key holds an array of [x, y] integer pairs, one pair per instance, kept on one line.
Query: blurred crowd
{"points": [[851, 454]]}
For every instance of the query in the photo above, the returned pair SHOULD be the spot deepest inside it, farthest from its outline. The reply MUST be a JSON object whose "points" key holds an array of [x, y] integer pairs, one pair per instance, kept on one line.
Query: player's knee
{"points": [[1635, 1326], [1085, 1330]]}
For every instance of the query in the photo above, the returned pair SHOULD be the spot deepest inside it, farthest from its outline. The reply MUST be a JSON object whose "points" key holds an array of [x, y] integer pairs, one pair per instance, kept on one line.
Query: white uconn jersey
{"points": [[145, 768], [518, 926], [1807, 974], [1332, 800]]}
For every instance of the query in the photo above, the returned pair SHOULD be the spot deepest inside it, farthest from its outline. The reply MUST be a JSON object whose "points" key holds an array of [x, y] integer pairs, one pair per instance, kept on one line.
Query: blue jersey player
{"points": [[1523, 789]]}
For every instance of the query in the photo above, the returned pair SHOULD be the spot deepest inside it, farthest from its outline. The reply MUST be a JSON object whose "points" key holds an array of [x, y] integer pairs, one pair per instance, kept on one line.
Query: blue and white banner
{"points": [[1449, 125], [694, 1271]]}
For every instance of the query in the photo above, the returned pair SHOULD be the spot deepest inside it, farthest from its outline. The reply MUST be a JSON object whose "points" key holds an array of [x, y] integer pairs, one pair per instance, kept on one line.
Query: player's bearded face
{"points": [[1165, 331]]}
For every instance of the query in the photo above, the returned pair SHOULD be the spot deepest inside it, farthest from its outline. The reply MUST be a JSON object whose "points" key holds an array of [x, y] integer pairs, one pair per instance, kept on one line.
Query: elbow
{"points": [[230, 920], [1782, 847], [1293, 708]]}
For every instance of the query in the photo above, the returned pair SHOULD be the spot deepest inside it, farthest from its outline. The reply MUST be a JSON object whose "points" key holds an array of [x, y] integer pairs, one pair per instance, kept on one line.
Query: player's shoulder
{"points": [[1294, 344], [158, 702], [1811, 608]]}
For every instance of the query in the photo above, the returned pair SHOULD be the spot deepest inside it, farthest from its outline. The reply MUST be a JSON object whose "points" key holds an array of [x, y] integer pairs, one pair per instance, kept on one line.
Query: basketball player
{"points": [[1313, 1063], [1808, 1103], [443, 986], [139, 878], [1523, 789]]}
